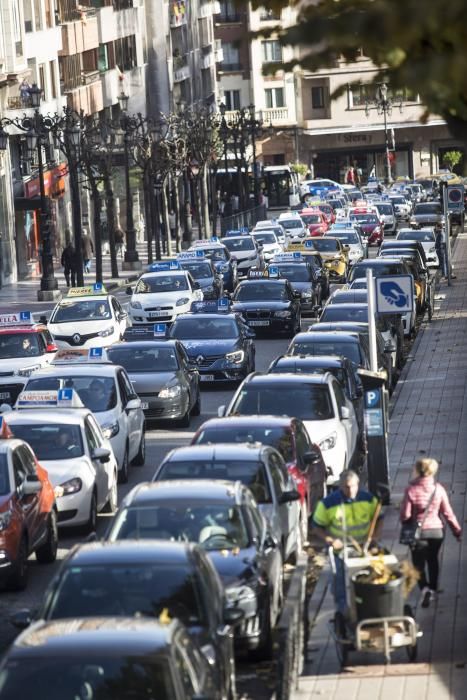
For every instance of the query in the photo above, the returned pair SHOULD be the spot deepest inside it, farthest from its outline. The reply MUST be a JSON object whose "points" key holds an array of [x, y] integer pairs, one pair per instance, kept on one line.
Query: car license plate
{"points": [[144, 405], [258, 323], [156, 314], [5, 395], [206, 377]]}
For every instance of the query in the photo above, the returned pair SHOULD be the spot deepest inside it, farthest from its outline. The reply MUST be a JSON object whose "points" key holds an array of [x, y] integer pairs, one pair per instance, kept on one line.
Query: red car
{"points": [[289, 436], [370, 223], [328, 212], [315, 221], [28, 516]]}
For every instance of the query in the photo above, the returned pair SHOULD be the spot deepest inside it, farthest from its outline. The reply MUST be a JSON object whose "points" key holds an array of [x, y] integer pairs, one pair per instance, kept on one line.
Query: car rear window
{"points": [[347, 349], [308, 401], [280, 438]]}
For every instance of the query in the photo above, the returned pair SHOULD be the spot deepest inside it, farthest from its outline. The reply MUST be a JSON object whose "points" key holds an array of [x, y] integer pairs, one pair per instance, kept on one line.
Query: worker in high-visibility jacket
{"points": [[345, 515]]}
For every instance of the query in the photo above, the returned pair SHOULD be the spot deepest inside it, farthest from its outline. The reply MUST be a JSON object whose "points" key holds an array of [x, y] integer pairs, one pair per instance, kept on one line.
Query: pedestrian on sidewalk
{"points": [[68, 262], [426, 502], [172, 224], [119, 242], [346, 513], [87, 247]]}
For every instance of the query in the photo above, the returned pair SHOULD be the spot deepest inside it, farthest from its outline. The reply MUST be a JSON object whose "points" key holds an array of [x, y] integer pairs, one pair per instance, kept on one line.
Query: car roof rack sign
{"points": [[61, 398], [20, 318]]}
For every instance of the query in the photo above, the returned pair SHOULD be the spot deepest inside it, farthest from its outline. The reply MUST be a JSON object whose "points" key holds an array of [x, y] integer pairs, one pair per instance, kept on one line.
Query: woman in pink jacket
{"points": [[416, 499]]}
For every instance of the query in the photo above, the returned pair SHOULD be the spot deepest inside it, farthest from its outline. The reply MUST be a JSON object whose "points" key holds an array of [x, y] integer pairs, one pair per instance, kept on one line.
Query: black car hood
{"points": [[258, 305], [199, 346], [233, 565]]}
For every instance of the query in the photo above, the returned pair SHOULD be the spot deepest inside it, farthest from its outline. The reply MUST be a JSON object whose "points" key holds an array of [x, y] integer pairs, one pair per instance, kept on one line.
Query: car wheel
{"points": [[91, 524], [112, 503], [196, 410], [140, 458], [123, 471], [18, 578], [264, 651], [184, 421], [293, 557], [47, 553]]}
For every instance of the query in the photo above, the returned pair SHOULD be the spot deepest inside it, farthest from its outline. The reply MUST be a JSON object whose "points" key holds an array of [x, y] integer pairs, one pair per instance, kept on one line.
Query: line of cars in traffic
{"points": [[201, 549]]}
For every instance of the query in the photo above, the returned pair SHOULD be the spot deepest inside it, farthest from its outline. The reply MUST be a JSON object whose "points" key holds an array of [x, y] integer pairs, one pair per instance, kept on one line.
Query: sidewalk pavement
{"points": [[429, 417]]}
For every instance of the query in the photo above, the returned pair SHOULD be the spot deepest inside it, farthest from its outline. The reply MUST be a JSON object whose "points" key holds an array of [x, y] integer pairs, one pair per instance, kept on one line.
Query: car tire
{"points": [[18, 579], [47, 553], [112, 504], [184, 421], [123, 471], [265, 649], [196, 410], [140, 458], [91, 524]]}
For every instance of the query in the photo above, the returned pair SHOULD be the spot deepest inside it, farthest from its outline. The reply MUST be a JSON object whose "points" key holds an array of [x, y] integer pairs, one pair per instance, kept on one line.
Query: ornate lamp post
{"points": [[128, 126], [384, 105]]}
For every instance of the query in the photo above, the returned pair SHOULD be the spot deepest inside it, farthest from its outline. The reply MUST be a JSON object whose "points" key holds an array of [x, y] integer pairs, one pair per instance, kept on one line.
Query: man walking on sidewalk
{"points": [[87, 248], [68, 262]]}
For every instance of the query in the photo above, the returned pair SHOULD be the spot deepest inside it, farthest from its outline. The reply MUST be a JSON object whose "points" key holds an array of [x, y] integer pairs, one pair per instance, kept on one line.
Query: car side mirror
{"points": [[101, 453], [270, 542], [312, 457], [31, 485], [129, 291], [196, 285], [133, 404], [250, 333], [289, 496], [51, 347], [358, 392], [21, 619], [221, 411], [296, 295], [232, 616], [122, 315], [389, 348], [345, 413]]}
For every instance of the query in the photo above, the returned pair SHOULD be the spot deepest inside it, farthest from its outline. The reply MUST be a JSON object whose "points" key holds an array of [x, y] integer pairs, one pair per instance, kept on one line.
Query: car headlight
{"points": [[5, 520], [307, 294], [106, 332], [282, 314], [27, 371], [170, 392], [110, 430], [237, 356], [223, 268], [68, 487], [239, 594], [182, 301], [135, 305], [328, 442]]}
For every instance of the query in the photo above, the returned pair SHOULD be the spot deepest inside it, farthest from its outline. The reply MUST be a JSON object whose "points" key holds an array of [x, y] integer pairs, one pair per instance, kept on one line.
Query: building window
{"points": [[266, 15], [361, 94], [49, 14], [42, 81], [231, 56], [103, 58], [317, 97], [53, 80], [272, 51], [37, 15], [274, 98], [228, 13], [232, 100], [125, 53]]}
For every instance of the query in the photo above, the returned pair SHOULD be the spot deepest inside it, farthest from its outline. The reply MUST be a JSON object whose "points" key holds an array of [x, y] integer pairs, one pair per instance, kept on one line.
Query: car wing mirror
{"points": [[21, 619], [31, 486], [129, 290], [312, 457], [289, 496], [101, 453], [51, 347], [270, 542], [232, 616], [133, 404], [221, 411], [345, 413]]}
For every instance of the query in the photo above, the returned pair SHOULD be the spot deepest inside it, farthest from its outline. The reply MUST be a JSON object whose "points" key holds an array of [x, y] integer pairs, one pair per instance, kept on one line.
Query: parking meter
{"points": [[376, 415]]}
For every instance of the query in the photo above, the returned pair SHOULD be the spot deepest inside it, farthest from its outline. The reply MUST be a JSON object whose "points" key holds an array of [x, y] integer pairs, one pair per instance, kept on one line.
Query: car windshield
{"points": [[212, 525], [101, 676], [236, 244], [127, 590], [210, 328], [345, 312], [280, 438], [326, 209], [427, 208], [215, 253], [311, 218], [161, 283], [141, 359], [385, 209], [199, 270], [292, 223], [423, 236], [249, 473], [260, 291], [295, 273], [349, 350], [350, 237], [398, 200], [51, 441], [71, 310], [5, 487], [326, 245], [97, 393], [16, 345], [378, 270], [265, 238], [365, 218], [308, 402]]}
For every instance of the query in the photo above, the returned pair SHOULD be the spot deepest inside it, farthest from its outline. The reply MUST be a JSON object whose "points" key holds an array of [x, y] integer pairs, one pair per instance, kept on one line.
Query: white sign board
{"points": [[455, 197], [394, 295]]}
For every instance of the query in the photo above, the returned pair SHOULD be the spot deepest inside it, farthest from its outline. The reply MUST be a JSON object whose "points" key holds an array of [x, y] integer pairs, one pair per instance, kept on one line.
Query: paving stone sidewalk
{"points": [[429, 417]]}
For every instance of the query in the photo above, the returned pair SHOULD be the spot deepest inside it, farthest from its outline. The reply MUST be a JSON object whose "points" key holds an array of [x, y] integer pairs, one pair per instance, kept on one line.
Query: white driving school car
{"points": [[87, 317], [69, 443]]}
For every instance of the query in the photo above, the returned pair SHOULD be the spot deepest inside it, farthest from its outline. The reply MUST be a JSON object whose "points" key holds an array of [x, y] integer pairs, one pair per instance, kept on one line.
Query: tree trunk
{"points": [[76, 217], [199, 207], [165, 218], [177, 214], [148, 193], [205, 202], [110, 210], [214, 200]]}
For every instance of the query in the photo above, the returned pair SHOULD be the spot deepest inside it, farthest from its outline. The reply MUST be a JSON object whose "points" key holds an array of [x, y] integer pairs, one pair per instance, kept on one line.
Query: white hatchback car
{"points": [[268, 239], [293, 224], [426, 236], [87, 317], [80, 461], [106, 390], [162, 294]]}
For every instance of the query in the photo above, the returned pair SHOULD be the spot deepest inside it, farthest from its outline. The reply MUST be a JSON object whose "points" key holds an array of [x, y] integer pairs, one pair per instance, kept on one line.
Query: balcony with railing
{"points": [[181, 68], [79, 36], [275, 115], [231, 67], [208, 8]]}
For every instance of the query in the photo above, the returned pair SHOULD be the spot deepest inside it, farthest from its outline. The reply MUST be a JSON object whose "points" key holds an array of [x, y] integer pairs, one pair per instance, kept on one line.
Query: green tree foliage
{"points": [[420, 45], [452, 158], [300, 168]]}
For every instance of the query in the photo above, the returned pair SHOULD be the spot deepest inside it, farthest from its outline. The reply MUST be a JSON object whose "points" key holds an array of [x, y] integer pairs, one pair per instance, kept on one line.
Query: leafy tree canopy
{"points": [[416, 44]]}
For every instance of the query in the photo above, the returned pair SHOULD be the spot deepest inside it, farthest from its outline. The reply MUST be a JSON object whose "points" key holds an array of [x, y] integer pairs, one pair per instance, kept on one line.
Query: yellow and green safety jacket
{"points": [[343, 517]]}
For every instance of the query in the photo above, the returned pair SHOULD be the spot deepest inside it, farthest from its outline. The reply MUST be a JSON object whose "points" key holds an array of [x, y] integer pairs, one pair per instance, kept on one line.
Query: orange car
{"points": [[28, 517]]}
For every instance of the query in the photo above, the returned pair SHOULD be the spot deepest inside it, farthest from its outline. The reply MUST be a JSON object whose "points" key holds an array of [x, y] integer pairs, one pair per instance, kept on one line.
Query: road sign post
{"points": [[372, 320], [447, 194]]}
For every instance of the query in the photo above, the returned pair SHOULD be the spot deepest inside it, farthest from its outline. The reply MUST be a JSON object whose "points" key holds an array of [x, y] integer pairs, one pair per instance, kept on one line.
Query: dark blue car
{"points": [[221, 259]]}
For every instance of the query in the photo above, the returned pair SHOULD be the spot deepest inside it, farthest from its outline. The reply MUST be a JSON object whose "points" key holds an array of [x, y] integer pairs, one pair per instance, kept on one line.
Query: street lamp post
{"points": [[37, 129], [131, 261], [384, 105]]}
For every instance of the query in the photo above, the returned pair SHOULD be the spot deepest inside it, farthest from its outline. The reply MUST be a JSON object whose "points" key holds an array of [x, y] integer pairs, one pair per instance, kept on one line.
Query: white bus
{"points": [[282, 186]]}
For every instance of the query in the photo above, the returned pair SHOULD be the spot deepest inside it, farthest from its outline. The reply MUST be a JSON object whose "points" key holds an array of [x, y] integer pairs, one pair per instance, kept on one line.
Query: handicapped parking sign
{"points": [[394, 294]]}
